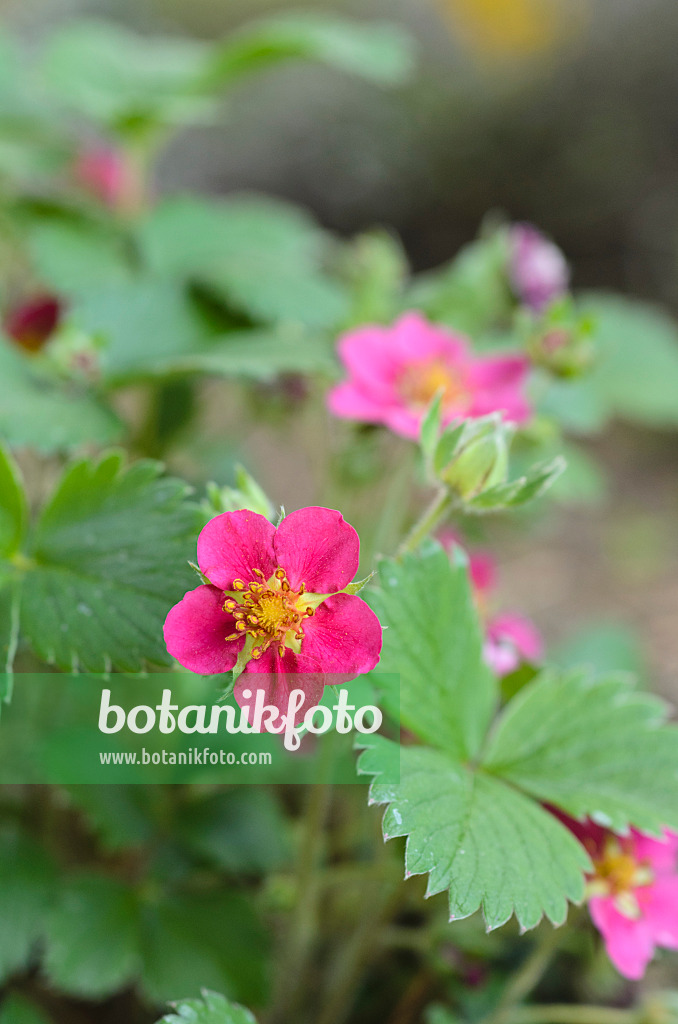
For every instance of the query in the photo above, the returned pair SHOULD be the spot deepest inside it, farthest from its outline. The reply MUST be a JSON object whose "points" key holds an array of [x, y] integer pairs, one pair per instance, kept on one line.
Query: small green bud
{"points": [[480, 462], [246, 494]]}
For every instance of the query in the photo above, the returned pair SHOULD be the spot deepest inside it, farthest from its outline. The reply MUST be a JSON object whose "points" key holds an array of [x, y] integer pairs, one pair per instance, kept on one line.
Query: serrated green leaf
{"points": [[380, 52], [595, 748], [46, 414], [109, 558], [92, 942], [488, 844], [13, 506], [213, 1008], [432, 639]]}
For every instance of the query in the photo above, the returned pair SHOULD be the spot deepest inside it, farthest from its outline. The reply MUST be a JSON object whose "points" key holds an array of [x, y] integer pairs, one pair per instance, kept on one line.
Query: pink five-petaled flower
{"points": [[633, 893], [276, 603], [394, 372], [537, 268]]}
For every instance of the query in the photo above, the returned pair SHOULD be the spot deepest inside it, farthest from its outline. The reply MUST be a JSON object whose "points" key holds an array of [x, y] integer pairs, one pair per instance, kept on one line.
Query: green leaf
{"points": [[490, 845], [261, 256], [17, 1010], [518, 492], [92, 937], [380, 52], [211, 1009], [46, 414], [203, 940], [432, 639], [13, 506], [239, 831], [604, 647], [145, 323], [109, 556], [593, 748], [27, 884], [74, 256], [127, 82]]}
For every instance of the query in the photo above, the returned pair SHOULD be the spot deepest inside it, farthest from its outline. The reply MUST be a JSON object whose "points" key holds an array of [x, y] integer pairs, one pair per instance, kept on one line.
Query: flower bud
{"points": [[537, 268], [480, 461]]}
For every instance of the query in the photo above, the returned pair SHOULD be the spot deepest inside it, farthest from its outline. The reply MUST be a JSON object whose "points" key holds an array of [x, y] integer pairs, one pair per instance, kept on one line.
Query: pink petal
{"points": [[520, 632], [232, 545], [278, 677], [661, 854], [416, 340], [343, 639], [350, 402], [659, 903], [628, 940], [404, 421], [317, 547], [370, 358], [196, 629], [483, 571], [498, 384]]}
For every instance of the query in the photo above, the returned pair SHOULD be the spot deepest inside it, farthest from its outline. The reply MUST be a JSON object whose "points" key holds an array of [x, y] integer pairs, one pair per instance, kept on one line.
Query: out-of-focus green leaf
{"points": [[13, 507], [238, 830], [376, 270], [27, 879], [72, 257], [207, 940], [260, 256], [92, 936], [380, 52], [46, 414], [604, 648], [17, 1010], [213, 1008], [107, 561], [122, 80]]}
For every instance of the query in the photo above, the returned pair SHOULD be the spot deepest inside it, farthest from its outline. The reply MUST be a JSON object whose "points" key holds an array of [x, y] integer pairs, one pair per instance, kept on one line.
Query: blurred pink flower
{"points": [[633, 893], [32, 323], [510, 638], [394, 372], [537, 268], [276, 596], [101, 170]]}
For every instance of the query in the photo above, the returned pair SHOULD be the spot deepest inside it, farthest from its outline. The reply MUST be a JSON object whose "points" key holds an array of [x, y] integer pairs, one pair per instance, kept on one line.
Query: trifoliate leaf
{"points": [[595, 748], [107, 560], [211, 1009], [490, 845], [432, 641]]}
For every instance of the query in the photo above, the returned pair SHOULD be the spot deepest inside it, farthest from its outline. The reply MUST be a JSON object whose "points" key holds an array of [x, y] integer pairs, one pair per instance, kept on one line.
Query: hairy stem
{"points": [[431, 519]]}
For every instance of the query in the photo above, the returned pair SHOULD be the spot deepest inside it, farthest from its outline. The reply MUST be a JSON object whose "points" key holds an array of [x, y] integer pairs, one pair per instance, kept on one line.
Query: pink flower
{"points": [[633, 893], [538, 270], [394, 372], [276, 600], [511, 639], [32, 323], [102, 171]]}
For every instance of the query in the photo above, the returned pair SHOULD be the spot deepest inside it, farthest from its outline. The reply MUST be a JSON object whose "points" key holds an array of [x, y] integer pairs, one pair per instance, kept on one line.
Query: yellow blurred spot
{"points": [[514, 28]]}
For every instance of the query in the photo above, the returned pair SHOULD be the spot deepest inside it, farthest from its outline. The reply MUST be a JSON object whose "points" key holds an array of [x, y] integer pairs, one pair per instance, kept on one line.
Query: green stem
{"points": [[431, 519], [526, 977], [299, 944]]}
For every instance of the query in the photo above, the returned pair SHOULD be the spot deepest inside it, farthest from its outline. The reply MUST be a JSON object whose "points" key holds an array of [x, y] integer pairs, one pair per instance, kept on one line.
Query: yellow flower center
{"points": [[419, 383], [269, 611], [618, 874]]}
